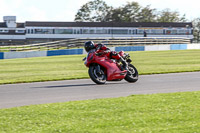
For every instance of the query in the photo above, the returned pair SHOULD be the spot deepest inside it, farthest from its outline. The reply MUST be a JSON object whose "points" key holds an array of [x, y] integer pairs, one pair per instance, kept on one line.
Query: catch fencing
{"points": [[77, 43]]}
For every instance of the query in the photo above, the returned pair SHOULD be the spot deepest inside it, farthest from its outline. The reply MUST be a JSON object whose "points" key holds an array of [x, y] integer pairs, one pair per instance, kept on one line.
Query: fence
{"points": [[27, 54], [72, 43]]}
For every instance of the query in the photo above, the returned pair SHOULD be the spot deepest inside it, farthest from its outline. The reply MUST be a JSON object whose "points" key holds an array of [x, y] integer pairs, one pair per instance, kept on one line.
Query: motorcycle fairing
{"points": [[112, 70]]}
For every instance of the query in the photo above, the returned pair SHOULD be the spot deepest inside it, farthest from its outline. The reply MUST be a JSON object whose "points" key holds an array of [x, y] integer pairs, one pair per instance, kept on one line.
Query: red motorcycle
{"points": [[102, 68]]}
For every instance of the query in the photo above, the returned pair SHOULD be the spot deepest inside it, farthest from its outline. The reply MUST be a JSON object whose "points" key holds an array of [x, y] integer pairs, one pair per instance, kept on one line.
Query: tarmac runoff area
{"points": [[14, 95]]}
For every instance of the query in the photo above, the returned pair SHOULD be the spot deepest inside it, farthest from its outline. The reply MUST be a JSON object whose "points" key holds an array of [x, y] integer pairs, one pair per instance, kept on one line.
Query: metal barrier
{"points": [[72, 43], [28, 54]]}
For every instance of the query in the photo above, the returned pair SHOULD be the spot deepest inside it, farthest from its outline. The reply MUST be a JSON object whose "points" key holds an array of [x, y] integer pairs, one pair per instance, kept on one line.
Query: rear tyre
{"points": [[96, 77], [132, 74]]}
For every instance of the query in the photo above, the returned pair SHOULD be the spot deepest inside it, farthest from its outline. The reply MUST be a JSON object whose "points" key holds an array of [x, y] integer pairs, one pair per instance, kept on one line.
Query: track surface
{"points": [[60, 91]]}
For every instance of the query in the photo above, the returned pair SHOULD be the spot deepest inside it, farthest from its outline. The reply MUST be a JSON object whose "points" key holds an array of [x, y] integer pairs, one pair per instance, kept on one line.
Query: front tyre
{"points": [[132, 74], [98, 78]]}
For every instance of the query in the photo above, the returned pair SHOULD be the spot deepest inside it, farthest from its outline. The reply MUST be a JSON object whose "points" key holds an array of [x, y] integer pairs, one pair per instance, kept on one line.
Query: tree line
{"points": [[99, 11]]}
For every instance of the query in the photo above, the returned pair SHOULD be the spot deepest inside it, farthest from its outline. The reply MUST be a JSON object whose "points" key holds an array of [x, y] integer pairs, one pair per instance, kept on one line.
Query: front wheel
{"points": [[97, 77], [132, 74]]}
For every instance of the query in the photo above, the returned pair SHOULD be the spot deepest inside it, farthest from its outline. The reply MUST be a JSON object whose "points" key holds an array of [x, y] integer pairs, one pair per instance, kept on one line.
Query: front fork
{"points": [[98, 70]]}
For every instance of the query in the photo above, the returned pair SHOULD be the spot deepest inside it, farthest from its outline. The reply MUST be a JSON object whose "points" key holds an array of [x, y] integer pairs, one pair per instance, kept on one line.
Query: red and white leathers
{"points": [[103, 50], [100, 48]]}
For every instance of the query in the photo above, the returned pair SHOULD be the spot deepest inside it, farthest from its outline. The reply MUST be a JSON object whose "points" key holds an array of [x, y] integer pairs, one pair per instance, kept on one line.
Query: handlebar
{"points": [[84, 59]]}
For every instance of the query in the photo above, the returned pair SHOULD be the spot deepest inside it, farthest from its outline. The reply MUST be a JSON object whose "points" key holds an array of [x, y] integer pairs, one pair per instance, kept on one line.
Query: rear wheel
{"points": [[97, 77], [132, 74]]}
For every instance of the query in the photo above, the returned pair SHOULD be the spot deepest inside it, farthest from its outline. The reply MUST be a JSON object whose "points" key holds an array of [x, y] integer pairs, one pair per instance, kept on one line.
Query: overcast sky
{"points": [[65, 10]]}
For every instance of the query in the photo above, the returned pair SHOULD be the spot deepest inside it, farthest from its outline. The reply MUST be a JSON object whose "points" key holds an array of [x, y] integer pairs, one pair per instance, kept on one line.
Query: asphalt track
{"points": [[14, 95]]}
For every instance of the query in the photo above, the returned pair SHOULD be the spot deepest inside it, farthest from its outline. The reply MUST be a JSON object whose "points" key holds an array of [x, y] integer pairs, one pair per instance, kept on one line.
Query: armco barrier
{"points": [[192, 46], [130, 48], [64, 52], [1, 55], [178, 46], [157, 47], [12, 55]]}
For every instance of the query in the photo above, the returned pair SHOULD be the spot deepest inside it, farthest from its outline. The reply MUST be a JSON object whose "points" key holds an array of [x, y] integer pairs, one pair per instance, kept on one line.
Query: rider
{"points": [[102, 49]]}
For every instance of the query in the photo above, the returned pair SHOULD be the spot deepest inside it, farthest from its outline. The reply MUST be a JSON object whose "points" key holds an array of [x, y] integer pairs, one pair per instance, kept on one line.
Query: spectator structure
{"points": [[29, 32]]}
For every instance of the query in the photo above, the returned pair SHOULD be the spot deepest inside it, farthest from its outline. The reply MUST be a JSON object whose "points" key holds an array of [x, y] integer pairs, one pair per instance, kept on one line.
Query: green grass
{"points": [[157, 113], [72, 67], [171, 113]]}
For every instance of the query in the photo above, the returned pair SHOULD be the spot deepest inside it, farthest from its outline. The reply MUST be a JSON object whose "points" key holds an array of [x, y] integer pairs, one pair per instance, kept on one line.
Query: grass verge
{"points": [[168, 113], [72, 67]]}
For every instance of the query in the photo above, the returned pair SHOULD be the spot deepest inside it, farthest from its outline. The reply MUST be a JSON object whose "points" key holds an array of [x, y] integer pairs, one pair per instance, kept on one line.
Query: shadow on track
{"points": [[60, 86], [76, 85]]}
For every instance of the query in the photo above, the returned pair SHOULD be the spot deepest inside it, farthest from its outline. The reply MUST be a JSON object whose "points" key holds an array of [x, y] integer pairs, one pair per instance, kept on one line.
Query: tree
{"points": [[167, 15], [147, 14], [99, 11], [133, 12], [115, 15], [93, 11], [130, 12], [196, 29]]}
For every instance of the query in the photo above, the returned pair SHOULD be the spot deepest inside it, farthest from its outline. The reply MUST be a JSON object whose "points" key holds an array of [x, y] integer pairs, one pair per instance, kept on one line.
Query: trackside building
{"points": [[12, 32]]}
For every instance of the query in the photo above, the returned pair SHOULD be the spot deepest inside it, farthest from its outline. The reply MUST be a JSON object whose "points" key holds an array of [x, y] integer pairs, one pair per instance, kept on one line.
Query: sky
{"points": [[65, 10]]}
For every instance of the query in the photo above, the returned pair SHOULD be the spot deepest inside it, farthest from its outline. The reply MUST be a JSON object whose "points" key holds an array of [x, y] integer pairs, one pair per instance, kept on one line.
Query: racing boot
{"points": [[124, 63]]}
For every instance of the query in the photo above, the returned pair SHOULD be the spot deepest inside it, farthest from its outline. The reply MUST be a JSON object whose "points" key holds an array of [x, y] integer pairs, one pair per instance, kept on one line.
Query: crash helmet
{"points": [[89, 45]]}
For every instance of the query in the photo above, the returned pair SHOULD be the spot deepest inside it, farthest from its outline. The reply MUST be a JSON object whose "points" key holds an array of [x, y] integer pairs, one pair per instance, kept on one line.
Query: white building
{"points": [[36, 31]]}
